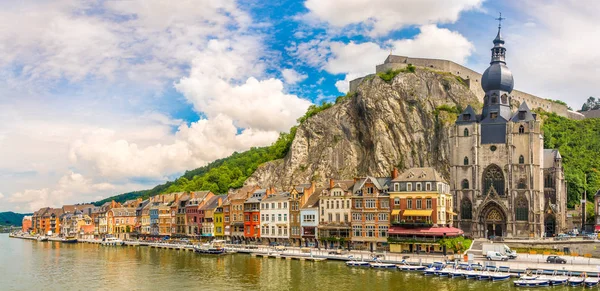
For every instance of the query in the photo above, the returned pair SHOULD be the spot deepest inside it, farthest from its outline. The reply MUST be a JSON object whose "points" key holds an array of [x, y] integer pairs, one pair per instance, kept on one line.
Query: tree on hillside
{"points": [[591, 104]]}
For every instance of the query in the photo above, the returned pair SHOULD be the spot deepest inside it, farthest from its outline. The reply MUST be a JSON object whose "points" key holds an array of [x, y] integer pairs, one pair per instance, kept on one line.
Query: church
{"points": [[505, 184]]}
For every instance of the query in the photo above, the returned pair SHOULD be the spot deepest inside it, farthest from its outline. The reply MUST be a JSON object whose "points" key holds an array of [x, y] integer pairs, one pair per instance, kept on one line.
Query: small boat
{"points": [[42, 238], [456, 273], [445, 272], [499, 276], [591, 282], [558, 280], [532, 283], [575, 281], [111, 241], [470, 274], [214, 248], [357, 264], [408, 267], [381, 265], [484, 275], [430, 271], [69, 240]]}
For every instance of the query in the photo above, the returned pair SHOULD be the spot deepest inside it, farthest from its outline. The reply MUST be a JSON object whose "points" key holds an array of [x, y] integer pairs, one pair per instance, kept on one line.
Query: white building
{"points": [[309, 219], [274, 217]]}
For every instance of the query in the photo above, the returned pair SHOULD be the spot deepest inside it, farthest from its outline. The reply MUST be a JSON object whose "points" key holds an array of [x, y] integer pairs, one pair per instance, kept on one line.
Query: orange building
{"points": [[26, 224]]}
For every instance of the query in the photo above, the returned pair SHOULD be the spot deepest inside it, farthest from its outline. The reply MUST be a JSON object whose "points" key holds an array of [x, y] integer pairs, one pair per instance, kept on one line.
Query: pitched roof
{"points": [[525, 111], [123, 211], [242, 193], [381, 183], [281, 196], [549, 156], [468, 115], [257, 196], [212, 203], [344, 184], [419, 174], [313, 200]]}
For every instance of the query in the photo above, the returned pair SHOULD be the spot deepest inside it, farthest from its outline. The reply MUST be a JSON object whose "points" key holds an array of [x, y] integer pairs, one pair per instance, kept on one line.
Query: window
{"points": [[466, 209], [428, 187], [279, 217], [494, 115], [409, 203], [309, 218], [396, 201], [285, 217], [466, 161], [465, 184], [383, 216], [345, 217], [522, 209], [357, 229], [494, 99], [272, 217], [466, 132], [409, 187], [337, 217], [504, 99], [273, 205], [348, 203], [521, 159], [370, 231], [384, 203], [493, 178], [356, 217], [284, 204], [337, 204], [262, 217], [428, 203], [466, 117], [370, 190], [383, 231], [418, 186], [522, 184], [370, 203], [327, 204], [419, 202], [369, 216], [396, 187], [548, 181], [255, 217], [358, 203], [521, 117]]}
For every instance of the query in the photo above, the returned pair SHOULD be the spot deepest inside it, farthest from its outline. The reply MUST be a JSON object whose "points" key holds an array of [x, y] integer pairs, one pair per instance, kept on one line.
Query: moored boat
{"points": [[69, 240], [532, 283], [445, 272], [591, 282], [470, 274], [111, 241], [484, 275], [410, 268], [499, 276], [380, 265], [216, 247], [42, 238], [357, 264], [575, 281]]}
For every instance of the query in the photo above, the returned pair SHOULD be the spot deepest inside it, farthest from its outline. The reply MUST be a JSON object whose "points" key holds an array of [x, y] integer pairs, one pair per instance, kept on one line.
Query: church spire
{"points": [[499, 51]]}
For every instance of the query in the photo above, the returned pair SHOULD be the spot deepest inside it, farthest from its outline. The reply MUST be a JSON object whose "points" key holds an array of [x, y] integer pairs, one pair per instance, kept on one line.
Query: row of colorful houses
{"points": [[403, 212]]}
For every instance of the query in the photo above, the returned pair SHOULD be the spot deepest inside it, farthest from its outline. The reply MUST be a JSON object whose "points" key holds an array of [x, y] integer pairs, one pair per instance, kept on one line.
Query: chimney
{"points": [[395, 173], [330, 183]]}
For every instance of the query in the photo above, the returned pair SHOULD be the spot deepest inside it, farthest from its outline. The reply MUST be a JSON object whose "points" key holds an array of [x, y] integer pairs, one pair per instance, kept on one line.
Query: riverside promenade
{"points": [[523, 263]]}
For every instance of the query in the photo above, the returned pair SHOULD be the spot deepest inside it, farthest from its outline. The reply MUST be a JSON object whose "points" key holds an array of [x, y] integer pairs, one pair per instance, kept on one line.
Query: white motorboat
{"points": [[532, 283], [380, 265], [407, 267], [111, 241], [575, 281], [591, 282]]}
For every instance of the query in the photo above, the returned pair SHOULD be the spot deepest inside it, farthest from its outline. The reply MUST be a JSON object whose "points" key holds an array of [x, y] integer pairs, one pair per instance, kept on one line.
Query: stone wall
{"points": [[472, 78], [580, 247]]}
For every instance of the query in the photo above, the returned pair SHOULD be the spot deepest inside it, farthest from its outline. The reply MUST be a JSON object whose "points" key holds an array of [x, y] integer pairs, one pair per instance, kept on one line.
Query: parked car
{"points": [[556, 260], [562, 236], [495, 256]]}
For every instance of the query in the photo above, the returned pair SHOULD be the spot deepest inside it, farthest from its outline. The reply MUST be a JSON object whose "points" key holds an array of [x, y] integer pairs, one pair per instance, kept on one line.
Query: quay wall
{"points": [[472, 79], [580, 248]]}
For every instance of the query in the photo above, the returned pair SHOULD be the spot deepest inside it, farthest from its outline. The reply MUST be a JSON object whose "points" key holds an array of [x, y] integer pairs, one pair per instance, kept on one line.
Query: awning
{"points": [[426, 231], [597, 227], [396, 212], [417, 213], [451, 212]]}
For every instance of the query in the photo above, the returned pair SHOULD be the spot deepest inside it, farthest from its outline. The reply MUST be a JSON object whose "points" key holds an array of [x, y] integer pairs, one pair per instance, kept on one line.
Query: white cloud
{"points": [[291, 76], [381, 17], [555, 59], [357, 60]]}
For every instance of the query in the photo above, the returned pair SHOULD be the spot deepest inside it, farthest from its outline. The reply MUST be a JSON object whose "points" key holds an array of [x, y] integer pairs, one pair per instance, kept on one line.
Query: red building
{"points": [[27, 224], [193, 214], [252, 214]]}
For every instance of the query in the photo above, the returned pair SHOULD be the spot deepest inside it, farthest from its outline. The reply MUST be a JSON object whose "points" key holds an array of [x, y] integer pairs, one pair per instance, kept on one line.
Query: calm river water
{"points": [[32, 265]]}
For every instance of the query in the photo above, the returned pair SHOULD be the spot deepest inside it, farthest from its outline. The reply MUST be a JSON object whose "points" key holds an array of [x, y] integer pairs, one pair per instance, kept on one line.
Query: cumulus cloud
{"points": [[381, 17], [555, 59], [359, 59], [291, 76]]}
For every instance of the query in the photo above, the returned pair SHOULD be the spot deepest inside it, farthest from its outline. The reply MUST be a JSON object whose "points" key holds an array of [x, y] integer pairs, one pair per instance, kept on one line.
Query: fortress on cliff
{"points": [[471, 78]]}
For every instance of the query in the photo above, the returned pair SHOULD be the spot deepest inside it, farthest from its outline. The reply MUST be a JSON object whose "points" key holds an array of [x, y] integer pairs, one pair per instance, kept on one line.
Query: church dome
{"points": [[497, 77]]}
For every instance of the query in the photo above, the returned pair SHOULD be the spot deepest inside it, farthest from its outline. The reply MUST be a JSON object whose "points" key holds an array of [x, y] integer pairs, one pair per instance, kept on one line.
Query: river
{"points": [[32, 265]]}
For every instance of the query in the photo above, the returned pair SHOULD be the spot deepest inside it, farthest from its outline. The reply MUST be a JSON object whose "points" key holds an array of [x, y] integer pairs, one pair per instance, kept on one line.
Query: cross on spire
{"points": [[500, 18]]}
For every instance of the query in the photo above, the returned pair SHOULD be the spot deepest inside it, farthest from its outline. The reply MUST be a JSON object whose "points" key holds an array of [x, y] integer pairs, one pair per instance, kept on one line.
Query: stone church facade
{"points": [[505, 184]]}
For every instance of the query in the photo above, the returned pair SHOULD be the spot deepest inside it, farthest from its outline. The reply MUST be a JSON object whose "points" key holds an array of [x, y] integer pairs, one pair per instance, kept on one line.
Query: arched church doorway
{"points": [[550, 225], [493, 220]]}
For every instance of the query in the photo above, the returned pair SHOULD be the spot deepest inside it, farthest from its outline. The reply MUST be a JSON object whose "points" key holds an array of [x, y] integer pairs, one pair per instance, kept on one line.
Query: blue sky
{"points": [[101, 98]]}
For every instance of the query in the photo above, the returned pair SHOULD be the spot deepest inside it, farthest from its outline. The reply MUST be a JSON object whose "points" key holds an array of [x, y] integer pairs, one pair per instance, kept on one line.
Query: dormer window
{"points": [[521, 115], [494, 99], [493, 115], [466, 117]]}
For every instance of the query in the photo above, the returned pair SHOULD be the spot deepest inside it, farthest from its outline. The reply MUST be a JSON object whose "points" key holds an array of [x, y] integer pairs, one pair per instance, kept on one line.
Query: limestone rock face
{"points": [[403, 123]]}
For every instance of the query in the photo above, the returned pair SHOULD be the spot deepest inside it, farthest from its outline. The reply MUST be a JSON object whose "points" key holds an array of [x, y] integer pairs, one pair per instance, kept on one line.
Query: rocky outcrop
{"points": [[403, 124]]}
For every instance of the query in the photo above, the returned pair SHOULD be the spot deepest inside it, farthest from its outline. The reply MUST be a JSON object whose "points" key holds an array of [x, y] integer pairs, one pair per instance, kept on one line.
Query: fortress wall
{"points": [[474, 81]]}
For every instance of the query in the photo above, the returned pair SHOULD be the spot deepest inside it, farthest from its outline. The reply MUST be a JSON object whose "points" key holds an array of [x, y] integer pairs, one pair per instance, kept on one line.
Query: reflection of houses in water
{"points": [[504, 182]]}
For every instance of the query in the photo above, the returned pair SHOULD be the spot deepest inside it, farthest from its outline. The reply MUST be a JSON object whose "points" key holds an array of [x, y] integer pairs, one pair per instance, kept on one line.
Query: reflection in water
{"points": [[32, 265]]}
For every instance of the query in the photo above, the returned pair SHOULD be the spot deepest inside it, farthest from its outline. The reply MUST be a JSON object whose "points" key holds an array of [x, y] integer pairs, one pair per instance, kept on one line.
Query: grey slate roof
{"points": [[281, 196], [313, 200], [257, 196], [419, 174], [526, 111], [467, 116], [549, 156]]}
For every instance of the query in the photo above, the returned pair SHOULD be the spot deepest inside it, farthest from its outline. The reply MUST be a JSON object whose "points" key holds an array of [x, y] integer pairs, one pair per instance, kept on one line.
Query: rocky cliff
{"points": [[401, 123]]}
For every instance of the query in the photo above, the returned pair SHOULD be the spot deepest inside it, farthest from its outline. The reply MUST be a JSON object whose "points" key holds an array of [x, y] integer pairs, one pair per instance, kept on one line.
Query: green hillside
{"points": [[11, 218], [579, 144]]}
